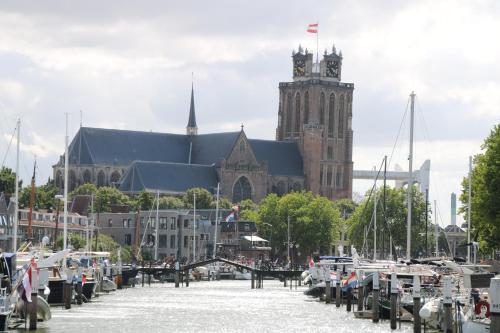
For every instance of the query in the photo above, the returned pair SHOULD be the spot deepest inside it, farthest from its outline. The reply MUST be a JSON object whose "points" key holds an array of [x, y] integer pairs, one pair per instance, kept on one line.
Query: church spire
{"points": [[191, 128]]}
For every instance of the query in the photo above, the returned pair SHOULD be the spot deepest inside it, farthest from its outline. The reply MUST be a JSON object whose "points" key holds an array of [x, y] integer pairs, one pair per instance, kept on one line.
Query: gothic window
{"points": [[341, 117], [71, 180], [280, 188], [297, 187], [338, 181], [329, 153], [101, 179], [322, 109], [242, 190], [321, 175], [329, 176], [115, 177], [59, 182], [331, 117], [87, 177], [306, 108], [288, 114], [297, 113]]}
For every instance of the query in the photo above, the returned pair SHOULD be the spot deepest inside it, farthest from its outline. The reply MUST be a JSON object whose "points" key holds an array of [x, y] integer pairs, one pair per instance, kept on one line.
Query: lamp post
{"points": [[58, 198]]}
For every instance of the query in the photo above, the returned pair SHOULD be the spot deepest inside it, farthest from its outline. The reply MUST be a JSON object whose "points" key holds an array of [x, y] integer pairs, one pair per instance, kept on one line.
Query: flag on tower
{"points": [[312, 28]]}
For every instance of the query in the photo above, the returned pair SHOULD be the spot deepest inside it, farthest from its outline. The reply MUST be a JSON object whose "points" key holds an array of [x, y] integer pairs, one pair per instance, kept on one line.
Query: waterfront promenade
{"points": [[215, 306]]}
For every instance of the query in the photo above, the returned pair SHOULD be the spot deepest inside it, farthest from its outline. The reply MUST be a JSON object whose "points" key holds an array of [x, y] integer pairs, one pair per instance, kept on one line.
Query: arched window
{"points": [[101, 179], [306, 108], [297, 187], [341, 117], [59, 179], [280, 188], [71, 180], [242, 190], [331, 115], [288, 115], [322, 109], [87, 177], [115, 176], [297, 113]]}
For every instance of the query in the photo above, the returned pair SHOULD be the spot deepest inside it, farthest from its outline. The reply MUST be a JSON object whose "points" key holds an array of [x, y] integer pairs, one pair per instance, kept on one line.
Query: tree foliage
{"points": [[7, 181], [104, 197], [313, 220], [485, 190], [396, 217], [75, 240], [203, 198], [168, 202]]}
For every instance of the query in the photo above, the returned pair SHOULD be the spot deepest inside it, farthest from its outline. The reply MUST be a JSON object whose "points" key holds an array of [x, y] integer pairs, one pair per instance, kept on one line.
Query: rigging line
{"points": [[8, 147], [438, 213], [399, 132]]}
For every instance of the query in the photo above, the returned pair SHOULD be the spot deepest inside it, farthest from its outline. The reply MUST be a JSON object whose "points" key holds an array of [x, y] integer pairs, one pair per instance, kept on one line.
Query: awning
{"points": [[254, 239]]}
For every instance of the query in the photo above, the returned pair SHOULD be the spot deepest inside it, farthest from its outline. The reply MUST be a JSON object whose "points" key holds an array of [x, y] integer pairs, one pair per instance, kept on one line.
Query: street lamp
{"points": [[58, 198]]}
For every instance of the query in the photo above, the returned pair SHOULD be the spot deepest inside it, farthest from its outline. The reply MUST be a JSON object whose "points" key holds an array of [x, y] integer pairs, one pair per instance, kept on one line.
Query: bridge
{"points": [[420, 176], [258, 273]]}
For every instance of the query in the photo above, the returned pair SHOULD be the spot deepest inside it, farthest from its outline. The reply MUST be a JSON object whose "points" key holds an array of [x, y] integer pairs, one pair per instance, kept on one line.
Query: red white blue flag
{"points": [[312, 28]]}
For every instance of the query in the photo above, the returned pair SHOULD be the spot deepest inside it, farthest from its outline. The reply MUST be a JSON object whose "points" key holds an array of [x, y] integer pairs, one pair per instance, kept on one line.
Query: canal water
{"points": [[216, 306]]}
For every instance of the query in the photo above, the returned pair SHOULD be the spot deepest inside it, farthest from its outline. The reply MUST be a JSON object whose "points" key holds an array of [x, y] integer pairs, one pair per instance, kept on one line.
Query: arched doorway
{"points": [[87, 178], [115, 177], [101, 179], [242, 190]]}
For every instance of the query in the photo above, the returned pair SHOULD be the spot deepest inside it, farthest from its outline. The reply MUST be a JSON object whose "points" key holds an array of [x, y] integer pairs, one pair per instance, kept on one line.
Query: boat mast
{"points": [[65, 233], [410, 178], [32, 202], [216, 222], [469, 209], [157, 230], [375, 220], [16, 211]]}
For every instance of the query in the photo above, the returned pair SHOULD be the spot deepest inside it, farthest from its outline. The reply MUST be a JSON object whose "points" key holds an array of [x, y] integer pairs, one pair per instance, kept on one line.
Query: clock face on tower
{"points": [[332, 68], [299, 67]]}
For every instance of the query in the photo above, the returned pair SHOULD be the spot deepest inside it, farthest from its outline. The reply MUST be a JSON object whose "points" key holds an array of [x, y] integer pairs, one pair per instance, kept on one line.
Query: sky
{"points": [[130, 65]]}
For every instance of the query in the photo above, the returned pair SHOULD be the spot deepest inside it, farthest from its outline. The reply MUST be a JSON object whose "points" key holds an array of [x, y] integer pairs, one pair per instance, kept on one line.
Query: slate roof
{"points": [[210, 149], [121, 147], [168, 177], [283, 158]]}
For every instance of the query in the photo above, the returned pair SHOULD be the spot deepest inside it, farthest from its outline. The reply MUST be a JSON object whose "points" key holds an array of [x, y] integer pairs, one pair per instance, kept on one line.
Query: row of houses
{"points": [[174, 232]]}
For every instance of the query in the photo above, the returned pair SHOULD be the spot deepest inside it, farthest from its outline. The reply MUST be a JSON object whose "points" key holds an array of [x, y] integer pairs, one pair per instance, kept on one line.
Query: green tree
{"points": [[75, 240], [7, 181], [313, 220], [485, 190], [144, 201], [44, 197], [168, 202], [396, 217], [104, 197], [248, 210], [224, 203], [107, 244], [203, 198]]}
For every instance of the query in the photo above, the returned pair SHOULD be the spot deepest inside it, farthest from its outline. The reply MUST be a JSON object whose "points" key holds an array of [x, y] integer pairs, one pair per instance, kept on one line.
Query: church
{"points": [[312, 150]]}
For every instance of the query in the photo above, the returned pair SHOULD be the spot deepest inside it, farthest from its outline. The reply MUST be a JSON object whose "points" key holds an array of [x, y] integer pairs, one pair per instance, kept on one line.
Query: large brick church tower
{"points": [[315, 110]]}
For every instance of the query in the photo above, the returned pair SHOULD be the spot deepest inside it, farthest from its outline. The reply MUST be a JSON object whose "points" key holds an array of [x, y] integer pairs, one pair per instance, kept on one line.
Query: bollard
{"points": [[349, 299], [67, 293], [253, 279], [376, 291], [416, 304], [328, 292], [495, 304], [177, 274], [284, 280], [360, 290], [186, 275], [447, 320], [149, 274], [143, 275], [79, 292], [394, 299], [337, 289]]}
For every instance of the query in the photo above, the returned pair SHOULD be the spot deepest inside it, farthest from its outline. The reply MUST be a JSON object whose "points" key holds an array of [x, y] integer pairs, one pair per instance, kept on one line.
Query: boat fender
{"points": [[425, 312], [482, 309]]}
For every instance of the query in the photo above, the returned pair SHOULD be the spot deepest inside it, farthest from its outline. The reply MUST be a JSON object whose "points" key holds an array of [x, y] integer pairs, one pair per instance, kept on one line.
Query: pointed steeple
{"points": [[191, 128]]}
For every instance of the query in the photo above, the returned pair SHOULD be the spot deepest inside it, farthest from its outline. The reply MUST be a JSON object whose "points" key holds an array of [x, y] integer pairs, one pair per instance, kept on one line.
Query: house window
{"points": [[163, 223], [173, 223], [172, 241], [125, 223], [163, 241], [329, 153], [110, 223], [128, 239], [142, 221], [186, 223], [186, 241]]}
